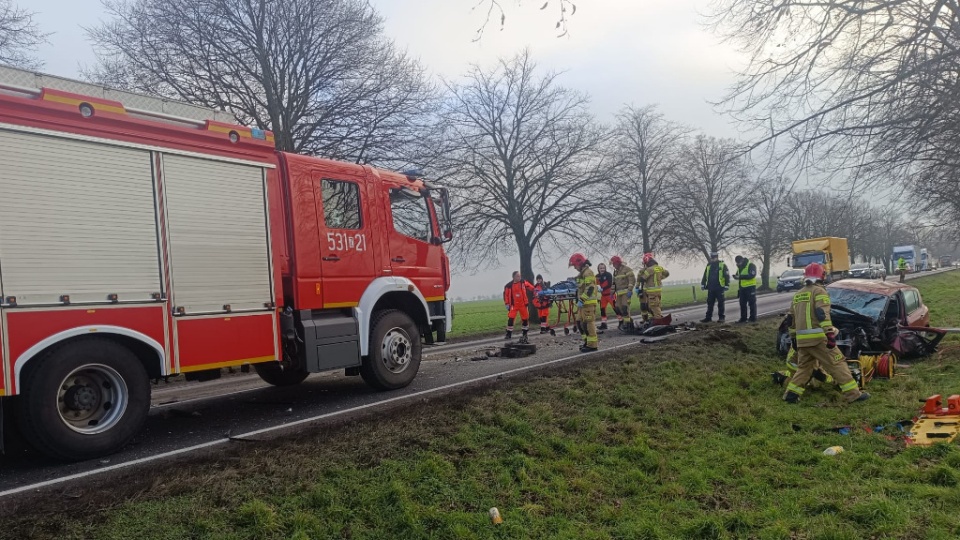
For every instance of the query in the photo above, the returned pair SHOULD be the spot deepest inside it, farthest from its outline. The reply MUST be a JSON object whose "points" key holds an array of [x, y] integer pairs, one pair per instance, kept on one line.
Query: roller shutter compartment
{"points": [[218, 238], [77, 219]]}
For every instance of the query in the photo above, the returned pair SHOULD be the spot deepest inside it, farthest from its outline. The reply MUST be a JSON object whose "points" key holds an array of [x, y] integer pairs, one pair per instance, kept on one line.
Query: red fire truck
{"points": [[141, 238]]}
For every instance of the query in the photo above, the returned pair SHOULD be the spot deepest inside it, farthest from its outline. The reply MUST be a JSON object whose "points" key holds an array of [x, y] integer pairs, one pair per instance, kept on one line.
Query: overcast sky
{"points": [[619, 51]]}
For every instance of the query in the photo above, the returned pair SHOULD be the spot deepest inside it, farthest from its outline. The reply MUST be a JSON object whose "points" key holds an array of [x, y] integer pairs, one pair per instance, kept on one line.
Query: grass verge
{"points": [[685, 440]]}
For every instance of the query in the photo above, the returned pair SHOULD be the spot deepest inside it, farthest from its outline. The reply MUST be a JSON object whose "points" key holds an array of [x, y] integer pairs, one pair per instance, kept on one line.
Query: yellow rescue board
{"points": [[931, 430]]}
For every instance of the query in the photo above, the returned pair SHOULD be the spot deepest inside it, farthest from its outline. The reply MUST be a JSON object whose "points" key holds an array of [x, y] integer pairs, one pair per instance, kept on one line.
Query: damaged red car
{"points": [[876, 316]]}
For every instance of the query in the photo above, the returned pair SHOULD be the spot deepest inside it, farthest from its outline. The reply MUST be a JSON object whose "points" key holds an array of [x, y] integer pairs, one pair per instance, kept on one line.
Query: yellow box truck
{"points": [[831, 252]]}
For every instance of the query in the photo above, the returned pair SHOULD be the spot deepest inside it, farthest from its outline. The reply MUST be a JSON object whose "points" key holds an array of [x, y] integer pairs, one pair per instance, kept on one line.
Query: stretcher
{"points": [[564, 296]]}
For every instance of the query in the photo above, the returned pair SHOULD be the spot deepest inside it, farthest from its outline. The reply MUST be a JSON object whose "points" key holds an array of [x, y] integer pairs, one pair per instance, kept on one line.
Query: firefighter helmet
{"points": [[814, 272], [647, 257], [616, 260], [577, 260]]}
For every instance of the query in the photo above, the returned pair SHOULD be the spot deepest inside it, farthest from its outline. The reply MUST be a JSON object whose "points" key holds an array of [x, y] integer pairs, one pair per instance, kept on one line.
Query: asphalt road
{"points": [[197, 416]]}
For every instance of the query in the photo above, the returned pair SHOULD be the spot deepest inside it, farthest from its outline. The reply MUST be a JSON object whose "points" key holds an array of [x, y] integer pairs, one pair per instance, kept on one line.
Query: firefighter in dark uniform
{"points": [[747, 293]]}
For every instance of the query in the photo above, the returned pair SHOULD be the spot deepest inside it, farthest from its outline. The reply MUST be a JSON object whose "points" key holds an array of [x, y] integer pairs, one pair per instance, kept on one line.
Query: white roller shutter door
{"points": [[76, 218], [219, 244]]}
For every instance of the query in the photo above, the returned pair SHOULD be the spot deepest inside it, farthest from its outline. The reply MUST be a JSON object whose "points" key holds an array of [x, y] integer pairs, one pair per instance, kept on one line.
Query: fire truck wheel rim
{"points": [[92, 399], [397, 350]]}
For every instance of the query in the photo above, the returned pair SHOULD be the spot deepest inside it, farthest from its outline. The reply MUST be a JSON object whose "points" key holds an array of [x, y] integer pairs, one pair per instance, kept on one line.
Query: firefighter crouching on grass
{"points": [[815, 337], [542, 305], [782, 377], [515, 298], [623, 283], [651, 286], [587, 295], [607, 296]]}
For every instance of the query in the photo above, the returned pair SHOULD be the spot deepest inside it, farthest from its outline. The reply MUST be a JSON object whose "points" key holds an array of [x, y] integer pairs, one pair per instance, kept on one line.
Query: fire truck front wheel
{"points": [[395, 349], [84, 399]]}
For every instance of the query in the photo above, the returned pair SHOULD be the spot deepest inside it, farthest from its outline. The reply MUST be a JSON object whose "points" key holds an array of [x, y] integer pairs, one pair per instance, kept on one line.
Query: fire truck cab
{"points": [[142, 238]]}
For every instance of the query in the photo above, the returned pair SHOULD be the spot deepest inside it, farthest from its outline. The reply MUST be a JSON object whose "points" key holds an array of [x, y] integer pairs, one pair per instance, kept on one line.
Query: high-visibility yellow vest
{"points": [[744, 282], [721, 274]]}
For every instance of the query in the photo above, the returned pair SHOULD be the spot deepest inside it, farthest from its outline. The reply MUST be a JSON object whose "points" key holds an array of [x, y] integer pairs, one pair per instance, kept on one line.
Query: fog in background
{"points": [[618, 51]]}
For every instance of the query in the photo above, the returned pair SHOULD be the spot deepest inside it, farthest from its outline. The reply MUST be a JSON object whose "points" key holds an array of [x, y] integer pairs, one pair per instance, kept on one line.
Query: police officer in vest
{"points": [[747, 293], [716, 281]]}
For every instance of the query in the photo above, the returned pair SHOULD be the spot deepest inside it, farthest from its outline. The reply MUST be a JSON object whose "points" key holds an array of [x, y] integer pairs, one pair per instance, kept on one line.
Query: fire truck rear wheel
{"points": [[395, 350], [272, 373], [84, 399]]}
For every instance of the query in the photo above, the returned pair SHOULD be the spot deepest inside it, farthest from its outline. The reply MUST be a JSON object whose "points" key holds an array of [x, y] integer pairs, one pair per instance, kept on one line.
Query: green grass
{"points": [[489, 316], [686, 440]]}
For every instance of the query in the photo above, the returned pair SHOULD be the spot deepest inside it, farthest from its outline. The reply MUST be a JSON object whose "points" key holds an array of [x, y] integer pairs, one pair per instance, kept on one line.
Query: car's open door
{"points": [[916, 341]]}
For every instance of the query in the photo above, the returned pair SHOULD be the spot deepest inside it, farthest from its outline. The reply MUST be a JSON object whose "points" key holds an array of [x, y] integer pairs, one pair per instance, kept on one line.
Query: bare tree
{"points": [[870, 84], [711, 196], [526, 160], [816, 214], [646, 151], [320, 74], [493, 9], [19, 36], [765, 232]]}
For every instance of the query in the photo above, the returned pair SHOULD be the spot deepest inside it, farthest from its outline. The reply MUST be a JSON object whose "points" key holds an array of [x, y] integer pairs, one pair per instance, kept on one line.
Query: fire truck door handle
{"points": [[398, 260], [332, 258]]}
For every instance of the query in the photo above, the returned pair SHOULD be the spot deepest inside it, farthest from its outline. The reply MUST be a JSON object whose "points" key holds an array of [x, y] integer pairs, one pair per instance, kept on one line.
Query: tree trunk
{"points": [[765, 273], [526, 272]]}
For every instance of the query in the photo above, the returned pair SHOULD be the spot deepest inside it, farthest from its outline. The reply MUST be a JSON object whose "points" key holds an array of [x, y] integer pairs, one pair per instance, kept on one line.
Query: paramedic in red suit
{"points": [[607, 294], [542, 305], [515, 298]]}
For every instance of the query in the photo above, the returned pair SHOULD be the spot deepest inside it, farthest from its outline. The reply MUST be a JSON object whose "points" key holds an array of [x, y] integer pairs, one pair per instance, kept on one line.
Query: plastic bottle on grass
{"points": [[833, 450]]}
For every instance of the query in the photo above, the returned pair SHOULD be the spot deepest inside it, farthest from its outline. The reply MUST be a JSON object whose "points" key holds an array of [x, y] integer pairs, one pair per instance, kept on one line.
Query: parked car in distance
{"points": [[876, 316], [864, 271], [790, 279]]}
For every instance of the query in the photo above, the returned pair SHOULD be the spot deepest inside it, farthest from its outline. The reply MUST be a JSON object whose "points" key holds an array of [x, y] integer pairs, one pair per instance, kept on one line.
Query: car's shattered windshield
{"points": [[863, 303]]}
